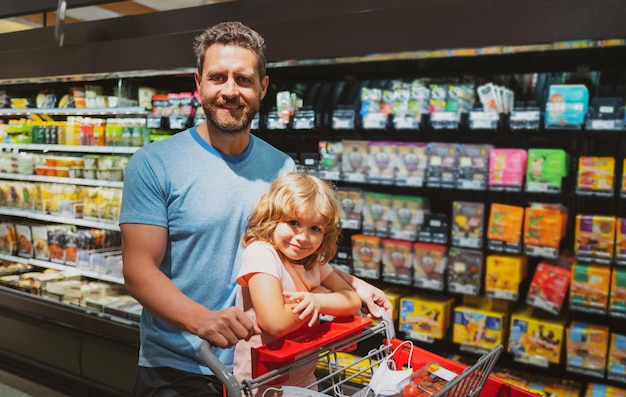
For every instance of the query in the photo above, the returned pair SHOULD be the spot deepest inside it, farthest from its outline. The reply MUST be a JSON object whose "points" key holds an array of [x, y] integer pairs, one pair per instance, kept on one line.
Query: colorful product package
{"points": [[616, 366], [330, 153], [620, 241], [465, 271], [442, 165], [544, 227], [595, 174], [376, 213], [382, 162], [617, 299], [429, 265], [549, 287], [425, 316], [411, 164], [350, 206], [473, 171], [546, 169], [407, 216], [602, 390], [397, 260], [504, 231], [354, 160], [595, 238], [503, 275], [467, 224], [480, 324], [589, 288], [587, 347], [566, 106], [507, 169], [366, 256], [536, 337]]}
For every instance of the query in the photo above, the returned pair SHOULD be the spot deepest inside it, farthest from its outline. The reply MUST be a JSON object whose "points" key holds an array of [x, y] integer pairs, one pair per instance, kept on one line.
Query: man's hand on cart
{"points": [[373, 299], [224, 328]]}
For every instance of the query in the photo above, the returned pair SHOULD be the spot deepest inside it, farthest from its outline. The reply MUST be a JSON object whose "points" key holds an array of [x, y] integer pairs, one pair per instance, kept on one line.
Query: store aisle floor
{"points": [[15, 386]]}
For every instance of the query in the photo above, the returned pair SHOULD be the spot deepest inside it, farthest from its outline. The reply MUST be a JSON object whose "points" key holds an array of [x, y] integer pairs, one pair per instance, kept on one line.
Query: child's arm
{"points": [[341, 301], [273, 315]]}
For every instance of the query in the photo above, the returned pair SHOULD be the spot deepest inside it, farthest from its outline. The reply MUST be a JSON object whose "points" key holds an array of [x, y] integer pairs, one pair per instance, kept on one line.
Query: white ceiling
{"points": [[108, 10]]}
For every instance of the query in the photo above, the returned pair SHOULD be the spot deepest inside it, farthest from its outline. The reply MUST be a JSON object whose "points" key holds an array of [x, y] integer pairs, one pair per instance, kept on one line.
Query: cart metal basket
{"points": [[273, 363]]}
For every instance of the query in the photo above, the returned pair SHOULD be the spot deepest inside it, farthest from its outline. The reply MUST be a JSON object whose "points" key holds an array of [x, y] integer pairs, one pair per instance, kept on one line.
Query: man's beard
{"points": [[232, 124]]}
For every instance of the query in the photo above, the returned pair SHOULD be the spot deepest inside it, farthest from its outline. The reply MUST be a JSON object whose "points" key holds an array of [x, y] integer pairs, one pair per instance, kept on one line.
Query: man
{"points": [[185, 205]]}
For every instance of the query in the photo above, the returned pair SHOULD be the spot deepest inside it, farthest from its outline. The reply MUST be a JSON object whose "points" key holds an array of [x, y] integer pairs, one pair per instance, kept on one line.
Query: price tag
{"points": [[343, 124], [525, 115], [178, 122], [302, 124], [602, 124], [422, 337], [153, 121], [444, 117], [405, 123]]}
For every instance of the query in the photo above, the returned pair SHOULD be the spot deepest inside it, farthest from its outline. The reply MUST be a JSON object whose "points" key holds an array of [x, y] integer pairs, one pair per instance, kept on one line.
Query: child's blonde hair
{"points": [[292, 196]]}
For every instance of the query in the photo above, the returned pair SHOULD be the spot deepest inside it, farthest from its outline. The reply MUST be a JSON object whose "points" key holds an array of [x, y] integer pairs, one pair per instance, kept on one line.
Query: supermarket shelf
{"points": [[135, 110], [69, 148], [102, 224], [55, 179]]}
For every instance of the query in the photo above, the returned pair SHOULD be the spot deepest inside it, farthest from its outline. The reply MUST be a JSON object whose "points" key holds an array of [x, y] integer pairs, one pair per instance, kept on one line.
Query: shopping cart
{"points": [[273, 363]]}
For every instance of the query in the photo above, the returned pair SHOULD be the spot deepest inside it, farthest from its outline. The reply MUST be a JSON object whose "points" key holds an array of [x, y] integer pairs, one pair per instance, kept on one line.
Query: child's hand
{"points": [[306, 305]]}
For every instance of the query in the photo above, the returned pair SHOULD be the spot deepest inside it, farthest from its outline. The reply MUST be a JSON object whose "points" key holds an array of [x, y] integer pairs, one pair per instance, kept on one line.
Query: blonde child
{"points": [[285, 281]]}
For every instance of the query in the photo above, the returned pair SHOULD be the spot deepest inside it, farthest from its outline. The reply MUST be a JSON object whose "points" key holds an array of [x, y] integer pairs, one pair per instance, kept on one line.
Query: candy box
{"points": [[429, 265], [567, 105], [330, 154], [596, 174], [549, 287], [507, 168], [504, 274], [536, 337], [616, 365], [504, 230], [478, 327], [411, 164], [473, 171], [381, 162], [587, 347], [589, 288], [407, 216], [546, 169], [397, 260], [442, 165], [354, 160], [376, 213], [425, 316], [465, 268], [350, 206], [467, 224], [366, 256], [595, 237], [617, 300]]}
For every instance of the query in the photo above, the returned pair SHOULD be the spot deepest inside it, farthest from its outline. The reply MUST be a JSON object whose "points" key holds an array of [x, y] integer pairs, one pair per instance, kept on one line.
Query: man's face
{"points": [[230, 87]]}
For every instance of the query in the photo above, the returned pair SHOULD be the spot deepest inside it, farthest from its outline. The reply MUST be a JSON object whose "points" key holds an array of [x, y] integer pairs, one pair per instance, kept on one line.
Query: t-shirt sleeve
{"points": [[258, 258]]}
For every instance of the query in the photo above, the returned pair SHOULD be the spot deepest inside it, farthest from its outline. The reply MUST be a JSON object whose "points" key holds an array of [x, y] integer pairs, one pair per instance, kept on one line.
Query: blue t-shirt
{"points": [[203, 197]]}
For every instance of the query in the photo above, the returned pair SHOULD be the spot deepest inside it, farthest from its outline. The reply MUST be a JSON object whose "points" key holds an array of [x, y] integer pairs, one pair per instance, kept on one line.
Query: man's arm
{"points": [[371, 296], [143, 248]]}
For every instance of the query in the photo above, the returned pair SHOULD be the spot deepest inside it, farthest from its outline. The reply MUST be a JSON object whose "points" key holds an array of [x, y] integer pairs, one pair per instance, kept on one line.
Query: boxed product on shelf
{"points": [[549, 287], [504, 274], [465, 271], [330, 153], [504, 229], [616, 365], [425, 316], [11, 268], [536, 337], [602, 390], [507, 168], [480, 323], [442, 164], [24, 239], [566, 106], [552, 386], [589, 287], [545, 225], [473, 171], [587, 348], [595, 237], [467, 224], [351, 207], [397, 261], [411, 164], [620, 241], [354, 164], [617, 299], [381, 162], [407, 216], [429, 265], [35, 282], [546, 169], [366, 255], [435, 228], [595, 174], [376, 213]]}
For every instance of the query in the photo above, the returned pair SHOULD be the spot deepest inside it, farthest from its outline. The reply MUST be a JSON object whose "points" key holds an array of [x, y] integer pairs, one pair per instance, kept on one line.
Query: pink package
{"points": [[507, 167]]}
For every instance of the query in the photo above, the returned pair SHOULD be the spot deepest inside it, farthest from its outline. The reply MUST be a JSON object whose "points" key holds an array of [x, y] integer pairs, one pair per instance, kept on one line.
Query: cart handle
{"points": [[219, 369]]}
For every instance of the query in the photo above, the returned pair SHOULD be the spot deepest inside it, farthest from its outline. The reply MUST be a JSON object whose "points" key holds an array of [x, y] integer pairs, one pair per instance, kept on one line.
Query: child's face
{"points": [[299, 237]]}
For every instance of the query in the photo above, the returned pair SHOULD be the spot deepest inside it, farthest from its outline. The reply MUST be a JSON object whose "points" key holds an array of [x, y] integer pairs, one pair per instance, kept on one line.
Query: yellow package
{"points": [[479, 328], [504, 273], [536, 337], [425, 316]]}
